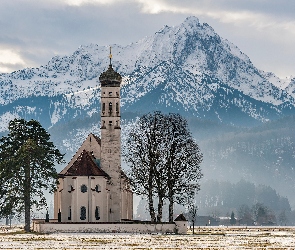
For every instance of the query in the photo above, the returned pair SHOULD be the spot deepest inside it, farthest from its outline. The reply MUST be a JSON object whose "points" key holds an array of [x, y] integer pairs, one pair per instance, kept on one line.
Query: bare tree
{"points": [[143, 156], [164, 161], [182, 165], [192, 213]]}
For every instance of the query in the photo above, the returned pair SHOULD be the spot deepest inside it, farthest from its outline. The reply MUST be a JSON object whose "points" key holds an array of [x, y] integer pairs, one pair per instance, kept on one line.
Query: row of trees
{"points": [[221, 197], [259, 213], [164, 161], [27, 159], [263, 154]]}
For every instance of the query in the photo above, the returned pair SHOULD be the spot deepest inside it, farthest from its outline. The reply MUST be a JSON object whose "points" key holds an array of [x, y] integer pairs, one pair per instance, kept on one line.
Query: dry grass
{"points": [[205, 238]]}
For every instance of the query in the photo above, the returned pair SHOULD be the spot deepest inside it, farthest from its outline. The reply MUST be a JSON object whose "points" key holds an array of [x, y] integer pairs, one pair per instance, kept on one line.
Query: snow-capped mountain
{"points": [[290, 89], [187, 69]]}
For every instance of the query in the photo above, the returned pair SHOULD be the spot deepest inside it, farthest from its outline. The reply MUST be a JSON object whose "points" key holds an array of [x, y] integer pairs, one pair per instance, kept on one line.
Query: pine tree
{"points": [[27, 160], [232, 219]]}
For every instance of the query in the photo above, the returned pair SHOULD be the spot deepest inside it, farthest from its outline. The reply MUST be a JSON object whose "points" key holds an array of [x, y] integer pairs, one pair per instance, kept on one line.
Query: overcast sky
{"points": [[33, 31]]}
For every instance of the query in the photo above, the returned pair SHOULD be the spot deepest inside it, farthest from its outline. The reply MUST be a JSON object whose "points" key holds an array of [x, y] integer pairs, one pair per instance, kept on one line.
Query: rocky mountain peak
{"points": [[187, 68]]}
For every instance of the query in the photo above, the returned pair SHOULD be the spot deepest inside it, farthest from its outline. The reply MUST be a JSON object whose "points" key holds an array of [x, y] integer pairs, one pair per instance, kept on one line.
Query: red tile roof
{"points": [[85, 166], [180, 218]]}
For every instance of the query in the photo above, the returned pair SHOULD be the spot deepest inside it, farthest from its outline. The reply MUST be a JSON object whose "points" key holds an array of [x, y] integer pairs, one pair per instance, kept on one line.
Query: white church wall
{"points": [[57, 198], [42, 227], [83, 191], [99, 198], [67, 198], [127, 205]]}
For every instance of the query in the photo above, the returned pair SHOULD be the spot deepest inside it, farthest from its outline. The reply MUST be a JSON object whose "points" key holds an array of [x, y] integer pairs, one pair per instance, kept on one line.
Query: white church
{"points": [[93, 187], [94, 194]]}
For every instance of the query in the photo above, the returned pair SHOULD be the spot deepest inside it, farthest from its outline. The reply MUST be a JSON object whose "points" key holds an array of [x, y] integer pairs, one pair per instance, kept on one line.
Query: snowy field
{"points": [[205, 238]]}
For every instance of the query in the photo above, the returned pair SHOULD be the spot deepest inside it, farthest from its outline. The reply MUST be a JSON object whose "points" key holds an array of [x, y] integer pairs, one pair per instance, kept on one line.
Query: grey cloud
{"points": [[43, 29], [282, 8], [13, 67], [67, 27]]}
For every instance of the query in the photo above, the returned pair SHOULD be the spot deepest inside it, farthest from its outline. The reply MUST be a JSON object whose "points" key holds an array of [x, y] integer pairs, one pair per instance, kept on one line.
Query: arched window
{"points": [[83, 213], [70, 188], [83, 188], [97, 213], [70, 213], [117, 107], [98, 188], [103, 107], [110, 107]]}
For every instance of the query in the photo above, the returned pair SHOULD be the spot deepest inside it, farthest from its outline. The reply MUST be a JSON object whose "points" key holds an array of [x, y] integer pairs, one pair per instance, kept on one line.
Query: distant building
{"points": [[207, 221], [93, 187]]}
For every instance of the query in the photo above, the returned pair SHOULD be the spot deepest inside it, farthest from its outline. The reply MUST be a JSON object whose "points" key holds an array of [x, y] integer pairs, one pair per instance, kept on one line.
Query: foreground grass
{"points": [[204, 238]]}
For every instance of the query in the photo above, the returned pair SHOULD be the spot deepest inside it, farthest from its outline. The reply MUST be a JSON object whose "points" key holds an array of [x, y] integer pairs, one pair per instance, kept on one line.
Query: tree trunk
{"points": [[27, 198], [151, 206], [160, 210], [27, 215], [171, 202], [150, 192]]}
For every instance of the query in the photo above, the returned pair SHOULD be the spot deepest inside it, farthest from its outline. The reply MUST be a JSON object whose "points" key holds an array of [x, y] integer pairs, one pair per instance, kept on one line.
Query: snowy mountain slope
{"points": [[197, 49], [173, 89], [290, 89], [188, 68]]}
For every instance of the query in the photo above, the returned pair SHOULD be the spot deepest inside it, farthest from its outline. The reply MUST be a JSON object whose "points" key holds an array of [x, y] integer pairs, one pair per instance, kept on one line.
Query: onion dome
{"points": [[110, 77]]}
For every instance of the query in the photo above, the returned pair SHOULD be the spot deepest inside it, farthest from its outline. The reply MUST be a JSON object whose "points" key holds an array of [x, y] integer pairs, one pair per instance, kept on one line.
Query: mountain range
{"points": [[188, 69]]}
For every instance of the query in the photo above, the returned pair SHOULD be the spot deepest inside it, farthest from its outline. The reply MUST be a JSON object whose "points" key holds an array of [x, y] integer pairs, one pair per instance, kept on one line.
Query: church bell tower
{"points": [[111, 138]]}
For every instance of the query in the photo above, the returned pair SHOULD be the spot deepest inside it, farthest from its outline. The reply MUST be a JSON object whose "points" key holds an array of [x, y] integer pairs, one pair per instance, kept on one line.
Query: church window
{"points": [[70, 188], [83, 188], [110, 107], [83, 213], [103, 107], [98, 188], [97, 213], [70, 213]]}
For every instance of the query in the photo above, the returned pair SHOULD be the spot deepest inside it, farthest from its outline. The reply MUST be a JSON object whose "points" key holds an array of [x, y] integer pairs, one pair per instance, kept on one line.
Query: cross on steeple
{"points": [[110, 56]]}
